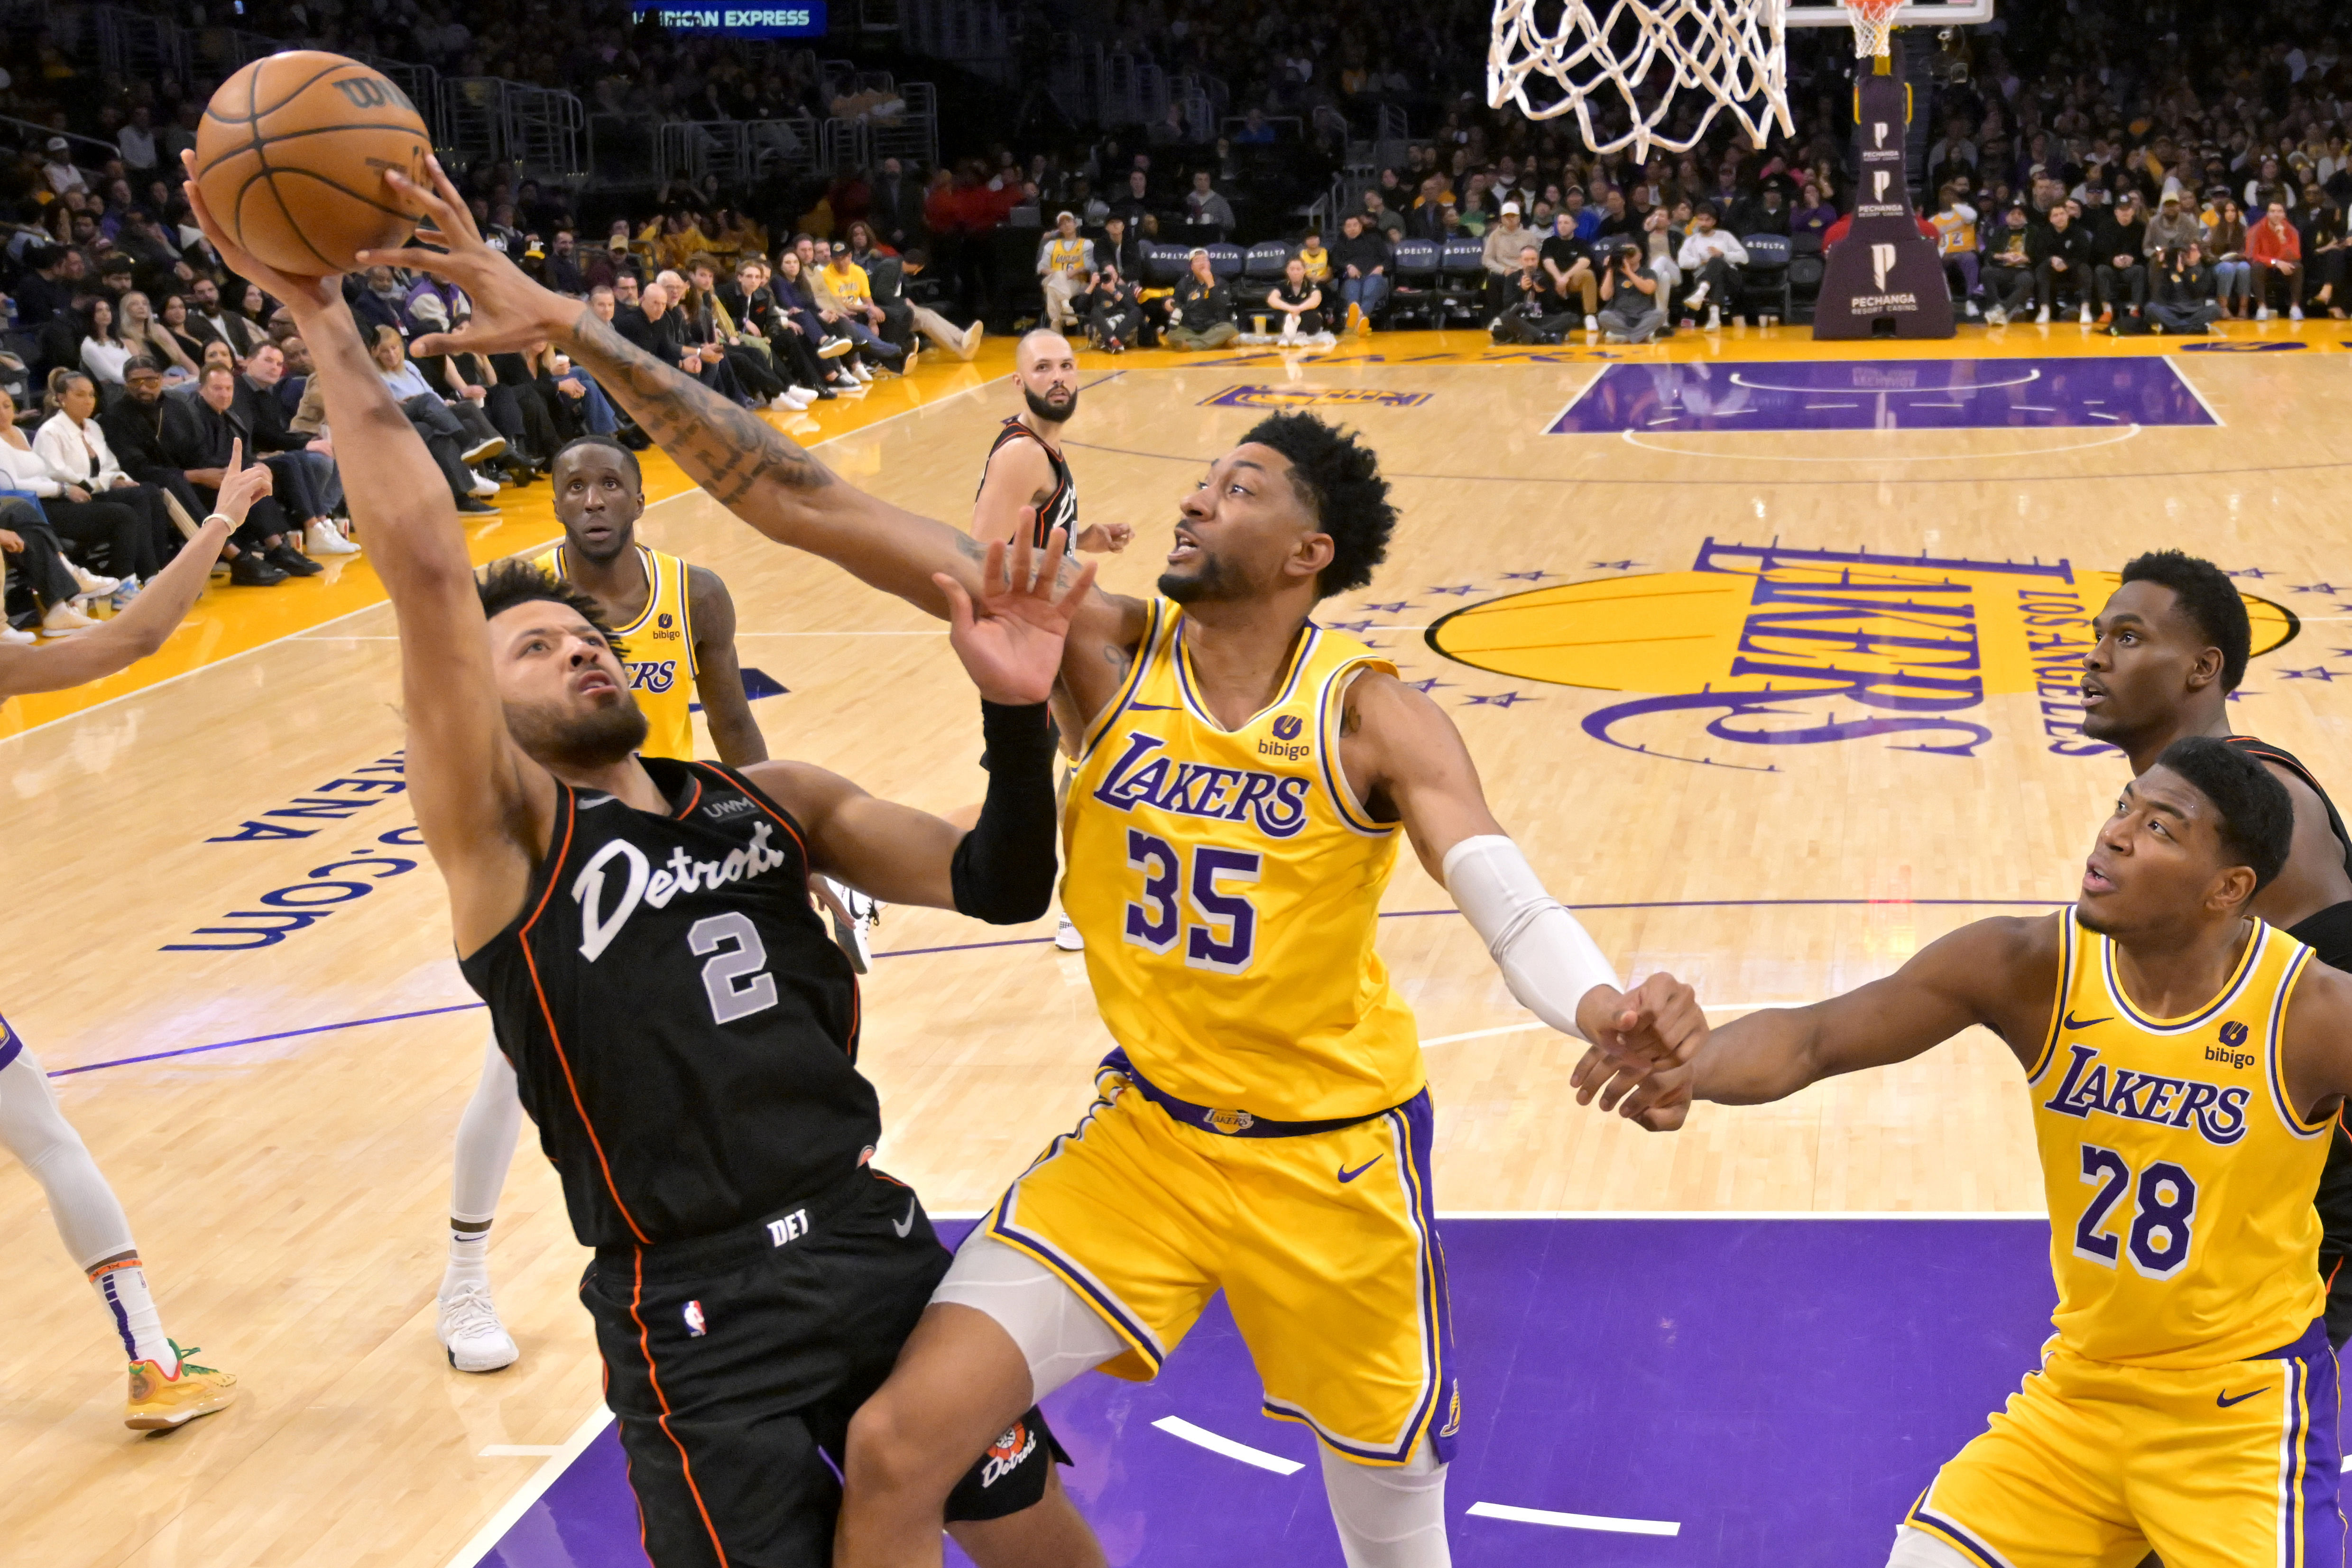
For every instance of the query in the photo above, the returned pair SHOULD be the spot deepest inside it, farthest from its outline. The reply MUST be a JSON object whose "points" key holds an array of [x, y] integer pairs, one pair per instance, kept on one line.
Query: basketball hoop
{"points": [[1731, 49], [1872, 19]]}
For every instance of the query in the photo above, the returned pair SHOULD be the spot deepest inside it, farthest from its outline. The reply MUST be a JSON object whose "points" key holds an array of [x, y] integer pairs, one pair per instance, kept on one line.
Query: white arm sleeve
{"points": [[1546, 957]]}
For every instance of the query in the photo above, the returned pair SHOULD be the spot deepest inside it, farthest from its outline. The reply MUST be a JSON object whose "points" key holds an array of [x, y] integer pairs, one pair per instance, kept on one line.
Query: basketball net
{"points": [[1730, 49], [1872, 20]]}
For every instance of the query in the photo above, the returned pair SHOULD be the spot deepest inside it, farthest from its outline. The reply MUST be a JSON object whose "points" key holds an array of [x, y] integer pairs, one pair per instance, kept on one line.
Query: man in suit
{"points": [[897, 212], [308, 483], [209, 321], [156, 438]]}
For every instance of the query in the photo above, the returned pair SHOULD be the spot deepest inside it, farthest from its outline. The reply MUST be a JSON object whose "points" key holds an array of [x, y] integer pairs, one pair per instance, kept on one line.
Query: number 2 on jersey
{"points": [[1223, 936], [2164, 1209]]}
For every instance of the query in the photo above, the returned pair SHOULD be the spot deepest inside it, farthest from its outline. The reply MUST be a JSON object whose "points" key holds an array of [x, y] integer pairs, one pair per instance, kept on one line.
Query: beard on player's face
{"points": [[1207, 579], [564, 737], [1049, 407]]}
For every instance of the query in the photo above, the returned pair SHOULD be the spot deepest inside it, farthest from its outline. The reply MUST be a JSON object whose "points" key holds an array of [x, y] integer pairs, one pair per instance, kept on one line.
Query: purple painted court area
{"points": [[1886, 395], [1779, 1389]]}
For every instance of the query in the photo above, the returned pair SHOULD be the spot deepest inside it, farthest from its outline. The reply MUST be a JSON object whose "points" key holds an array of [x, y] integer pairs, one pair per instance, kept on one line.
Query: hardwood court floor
{"points": [[1706, 786]]}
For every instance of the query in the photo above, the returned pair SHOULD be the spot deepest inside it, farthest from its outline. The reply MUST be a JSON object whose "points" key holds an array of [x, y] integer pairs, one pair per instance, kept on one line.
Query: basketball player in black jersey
{"points": [[1025, 472], [682, 1030], [2172, 644]]}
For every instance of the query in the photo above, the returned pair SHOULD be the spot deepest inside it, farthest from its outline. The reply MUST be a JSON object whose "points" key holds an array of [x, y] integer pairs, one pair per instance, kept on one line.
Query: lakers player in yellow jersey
{"points": [[678, 625], [1264, 1129], [2184, 1060]]}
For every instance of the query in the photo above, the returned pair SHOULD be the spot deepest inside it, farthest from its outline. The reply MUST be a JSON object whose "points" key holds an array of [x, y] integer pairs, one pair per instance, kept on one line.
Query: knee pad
{"points": [[1389, 1517]]}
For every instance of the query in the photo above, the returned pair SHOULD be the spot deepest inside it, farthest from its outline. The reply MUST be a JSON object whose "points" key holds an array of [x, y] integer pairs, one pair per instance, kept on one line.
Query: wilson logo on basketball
{"points": [[373, 92], [1005, 1454]]}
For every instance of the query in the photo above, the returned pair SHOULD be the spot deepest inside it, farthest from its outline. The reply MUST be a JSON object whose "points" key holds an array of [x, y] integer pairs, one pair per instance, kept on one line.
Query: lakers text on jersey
{"points": [[2187, 1403], [660, 643], [1263, 1127]]}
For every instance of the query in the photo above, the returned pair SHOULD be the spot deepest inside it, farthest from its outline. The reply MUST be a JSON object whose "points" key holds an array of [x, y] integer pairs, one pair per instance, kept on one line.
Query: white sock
{"points": [[469, 1260], [123, 1288]]}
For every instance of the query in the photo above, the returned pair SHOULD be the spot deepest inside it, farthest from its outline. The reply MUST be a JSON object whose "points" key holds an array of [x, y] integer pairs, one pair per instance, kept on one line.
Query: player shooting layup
{"points": [[682, 1030], [166, 1389], [1264, 1129], [2185, 1059]]}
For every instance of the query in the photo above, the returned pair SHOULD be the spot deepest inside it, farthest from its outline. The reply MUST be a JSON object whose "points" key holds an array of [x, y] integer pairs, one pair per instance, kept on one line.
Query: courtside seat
{"points": [[1412, 287], [1803, 287], [1225, 260], [1164, 263], [1462, 282], [1265, 260], [1764, 281]]}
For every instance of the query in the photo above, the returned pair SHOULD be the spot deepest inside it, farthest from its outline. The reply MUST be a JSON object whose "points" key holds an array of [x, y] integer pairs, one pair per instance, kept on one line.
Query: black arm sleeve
{"points": [[1003, 868]]}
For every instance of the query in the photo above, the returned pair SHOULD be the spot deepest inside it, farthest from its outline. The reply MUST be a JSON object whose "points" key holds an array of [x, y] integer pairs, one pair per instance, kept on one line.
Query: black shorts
{"points": [[734, 1362]]}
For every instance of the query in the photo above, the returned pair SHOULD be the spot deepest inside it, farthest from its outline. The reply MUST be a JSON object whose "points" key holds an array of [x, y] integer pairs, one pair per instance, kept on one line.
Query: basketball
{"points": [[291, 155]]}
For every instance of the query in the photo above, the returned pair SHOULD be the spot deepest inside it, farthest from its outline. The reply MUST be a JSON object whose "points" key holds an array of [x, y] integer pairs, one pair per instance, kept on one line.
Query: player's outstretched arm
{"points": [[1409, 759], [141, 628], [484, 808], [1010, 639], [748, 465]]}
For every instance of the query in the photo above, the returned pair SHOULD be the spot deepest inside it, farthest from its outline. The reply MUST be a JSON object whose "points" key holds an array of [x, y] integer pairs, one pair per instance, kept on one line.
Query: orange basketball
{"points": [[291, 155]]}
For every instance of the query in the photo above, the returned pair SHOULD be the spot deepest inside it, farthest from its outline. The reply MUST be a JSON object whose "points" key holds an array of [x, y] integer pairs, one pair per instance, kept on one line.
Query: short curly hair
{"points": [[1339, 478], [515, 581], [2205, 595]]}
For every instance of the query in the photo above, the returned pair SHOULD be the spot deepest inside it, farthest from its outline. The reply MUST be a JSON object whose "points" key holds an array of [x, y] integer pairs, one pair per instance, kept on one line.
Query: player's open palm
{"points": [[510, 312], [1009, 632]]}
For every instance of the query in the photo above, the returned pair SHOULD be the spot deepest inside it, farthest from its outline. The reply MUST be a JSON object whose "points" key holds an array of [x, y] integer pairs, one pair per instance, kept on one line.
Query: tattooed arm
{"points": [[753, 469]]}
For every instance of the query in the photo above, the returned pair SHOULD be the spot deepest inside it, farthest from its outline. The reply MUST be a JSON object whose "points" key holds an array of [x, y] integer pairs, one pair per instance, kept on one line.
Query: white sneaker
{"points": [[1973, 312], [9, 634], [483, 451], [1996, 317], [864, 376], [854, 937], [914, 352], [1714, 318], [63, 621], [1067, 937], [2294, 313], [93, 586], [1591, 324], [470, 1331], [2042, 317], [2086, 315], [807, 395], [971, 337], [833, 348], [485, 487], [2261, 312], [1697, 297], [324, 538], [124, 595]]}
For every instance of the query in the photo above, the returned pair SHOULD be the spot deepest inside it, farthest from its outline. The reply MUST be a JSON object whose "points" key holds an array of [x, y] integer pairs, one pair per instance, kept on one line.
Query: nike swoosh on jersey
{"points": [[2074, 1022], [903, 1226], [2224, 1401], [1346, 1175]]}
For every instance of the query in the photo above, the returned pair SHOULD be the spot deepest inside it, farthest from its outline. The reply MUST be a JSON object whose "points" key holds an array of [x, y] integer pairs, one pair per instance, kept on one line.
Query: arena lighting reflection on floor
{"points": [[1703, 1391], [1885, 394]]}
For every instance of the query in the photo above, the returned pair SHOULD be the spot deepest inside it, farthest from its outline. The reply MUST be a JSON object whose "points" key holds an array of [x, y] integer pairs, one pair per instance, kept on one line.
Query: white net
{"points": [[1872, 20], [1620, 67]]}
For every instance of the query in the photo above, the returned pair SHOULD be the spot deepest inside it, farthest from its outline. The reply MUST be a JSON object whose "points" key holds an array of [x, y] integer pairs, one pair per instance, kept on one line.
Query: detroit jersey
{"points": [[1228, 886], [2178, 1176], [660, 641], [683, 1030], [1060, 507]]}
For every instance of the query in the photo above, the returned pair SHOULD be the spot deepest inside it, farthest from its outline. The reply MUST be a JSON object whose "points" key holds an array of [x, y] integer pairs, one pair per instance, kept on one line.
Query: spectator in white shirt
{"points": [[103, 350], [1203, 204], [1713, 258], [59, 168], [136, 143]]}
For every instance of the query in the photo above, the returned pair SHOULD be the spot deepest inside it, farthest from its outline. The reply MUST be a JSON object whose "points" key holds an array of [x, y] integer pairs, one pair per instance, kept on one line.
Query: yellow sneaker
{"points": [[159, 1402]]}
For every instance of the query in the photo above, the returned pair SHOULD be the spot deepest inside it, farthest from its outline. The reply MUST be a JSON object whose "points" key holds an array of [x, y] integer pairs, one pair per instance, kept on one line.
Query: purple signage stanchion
{"points": [[1884, 269]]}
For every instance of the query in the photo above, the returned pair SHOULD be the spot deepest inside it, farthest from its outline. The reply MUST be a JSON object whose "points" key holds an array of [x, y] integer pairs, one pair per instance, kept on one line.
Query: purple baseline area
{"points": [[1779, 1388], [1890, 394]]}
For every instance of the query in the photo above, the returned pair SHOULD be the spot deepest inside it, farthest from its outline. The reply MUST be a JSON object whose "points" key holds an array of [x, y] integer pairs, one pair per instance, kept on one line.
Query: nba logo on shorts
{"points": [[694, 1323], [1286, 728]]}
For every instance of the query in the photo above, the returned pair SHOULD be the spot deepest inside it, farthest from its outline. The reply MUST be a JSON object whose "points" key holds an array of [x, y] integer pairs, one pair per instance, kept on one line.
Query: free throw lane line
{"points": [[1575, 1520], [1201, 1437]]}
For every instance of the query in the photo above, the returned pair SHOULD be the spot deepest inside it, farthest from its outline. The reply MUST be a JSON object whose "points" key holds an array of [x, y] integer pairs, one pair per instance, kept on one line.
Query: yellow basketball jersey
{"points": [[2179, 1177], [661, 651], [1228, 888]]}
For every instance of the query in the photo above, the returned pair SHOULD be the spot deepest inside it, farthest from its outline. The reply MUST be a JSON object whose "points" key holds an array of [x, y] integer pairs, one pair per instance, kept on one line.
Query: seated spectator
{"points": [[1119, 247], [2122, 243], [1714, 259], [843, 290], [2171, 229], [2010, 275], [1114, 313], [2320, 226], [74, 445], [209, 321], [38, 557], [203, 454], [1536, 313], [382, 303], [2274, 249], [143, 334], [1813, 214], [580, 406], [1955, 242], [1314, 256], [1135, 205], [960, 342], [1633, 307], [307, 483], [453, 441], [1366, 267], [1203, 315], [1567, 261], [2064, 256], [1767, 212], [1380, 218], [1065, 269], [2233, 275], [796, 300], [58, 171], [2183, 292], [1203, 205], [102, 351], [707, 325], [1500, 255], [751, 308], [1297, 302]]}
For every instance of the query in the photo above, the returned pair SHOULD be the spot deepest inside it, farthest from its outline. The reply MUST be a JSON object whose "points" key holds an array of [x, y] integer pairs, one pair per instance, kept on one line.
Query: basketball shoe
{"points": [[159, 1402], [468, 1329]]}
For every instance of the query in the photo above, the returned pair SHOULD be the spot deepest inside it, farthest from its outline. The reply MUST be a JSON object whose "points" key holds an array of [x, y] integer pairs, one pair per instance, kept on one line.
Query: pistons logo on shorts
{"points": [[694, 1323], [1015, 1444]]}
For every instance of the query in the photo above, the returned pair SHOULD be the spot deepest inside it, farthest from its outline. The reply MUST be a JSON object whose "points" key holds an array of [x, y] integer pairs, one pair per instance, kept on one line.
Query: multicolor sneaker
{"points": [[159, 1402]]}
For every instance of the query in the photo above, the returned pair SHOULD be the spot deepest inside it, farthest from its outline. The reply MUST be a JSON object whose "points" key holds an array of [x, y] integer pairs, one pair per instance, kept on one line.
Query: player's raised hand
{"points": [[1009, 634], [510, 312], [1111, 537], [298, 293], [240, 486]]}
